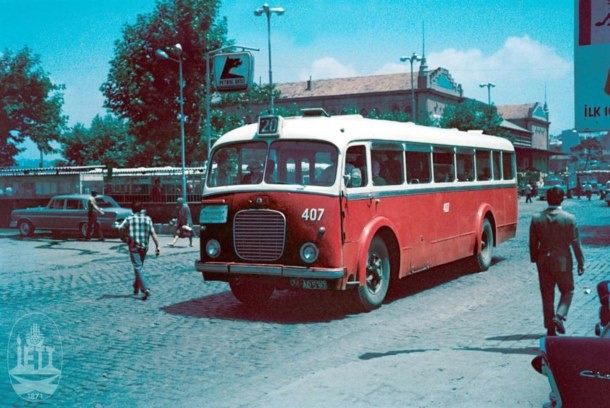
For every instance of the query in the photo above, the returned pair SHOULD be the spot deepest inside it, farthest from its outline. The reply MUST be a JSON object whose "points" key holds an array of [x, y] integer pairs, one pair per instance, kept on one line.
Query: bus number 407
{"points": [[313, 214]]}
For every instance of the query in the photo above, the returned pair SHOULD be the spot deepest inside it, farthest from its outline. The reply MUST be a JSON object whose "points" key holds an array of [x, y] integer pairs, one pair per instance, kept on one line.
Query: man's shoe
{"points": [[136, 290], [558, 321], [551, 332], [146, 294]]}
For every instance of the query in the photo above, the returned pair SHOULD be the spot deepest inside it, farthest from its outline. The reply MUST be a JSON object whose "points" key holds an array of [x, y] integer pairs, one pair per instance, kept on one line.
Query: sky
{"points": [[524, 47]]}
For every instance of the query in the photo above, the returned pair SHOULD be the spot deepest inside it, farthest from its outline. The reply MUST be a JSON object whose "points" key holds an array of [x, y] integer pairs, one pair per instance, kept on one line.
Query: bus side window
{"points": [[497, 165], [356, 160], [392, 169], [418, 167], [483, 162], [465, 164], [443, 165], [507, 166]]}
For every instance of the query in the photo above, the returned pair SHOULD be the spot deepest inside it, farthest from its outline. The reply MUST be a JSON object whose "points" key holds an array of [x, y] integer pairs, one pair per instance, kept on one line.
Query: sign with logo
{"points": [[34, 357], [233, 72], [592, 65]]}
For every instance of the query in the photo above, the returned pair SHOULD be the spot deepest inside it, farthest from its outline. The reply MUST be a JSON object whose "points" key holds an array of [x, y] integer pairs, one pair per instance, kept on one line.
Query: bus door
{"points": [[416, 233], [444, 220], [355, 203]]}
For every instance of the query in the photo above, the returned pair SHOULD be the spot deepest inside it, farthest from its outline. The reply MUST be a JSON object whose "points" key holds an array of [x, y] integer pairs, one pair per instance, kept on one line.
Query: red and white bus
{"points": [[277, 213]]}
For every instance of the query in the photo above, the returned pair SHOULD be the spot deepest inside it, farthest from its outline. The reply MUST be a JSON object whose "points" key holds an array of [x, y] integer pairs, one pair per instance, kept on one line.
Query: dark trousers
{"points": [[93, 227], [137, 257], [565, 282]]}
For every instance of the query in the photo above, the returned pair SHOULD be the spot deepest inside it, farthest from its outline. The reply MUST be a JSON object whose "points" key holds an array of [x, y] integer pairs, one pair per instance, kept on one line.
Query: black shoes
{"points": [[558, 322], [146, 294]]}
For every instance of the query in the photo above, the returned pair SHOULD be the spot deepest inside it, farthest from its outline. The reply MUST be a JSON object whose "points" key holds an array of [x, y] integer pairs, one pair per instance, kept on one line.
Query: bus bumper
{"points": [[234, 269]]}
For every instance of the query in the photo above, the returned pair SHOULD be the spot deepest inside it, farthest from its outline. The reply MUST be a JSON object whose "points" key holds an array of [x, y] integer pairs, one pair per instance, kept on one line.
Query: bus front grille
{"points": [[259, 235]]}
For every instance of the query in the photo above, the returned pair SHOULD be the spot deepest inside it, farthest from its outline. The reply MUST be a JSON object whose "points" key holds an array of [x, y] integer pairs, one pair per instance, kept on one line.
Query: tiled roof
{"points": [[510, 125], [348, 86], [515, 111]]}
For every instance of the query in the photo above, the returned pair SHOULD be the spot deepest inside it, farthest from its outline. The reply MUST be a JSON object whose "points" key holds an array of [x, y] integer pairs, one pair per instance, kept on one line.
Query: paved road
{"points": [[446, 338]]}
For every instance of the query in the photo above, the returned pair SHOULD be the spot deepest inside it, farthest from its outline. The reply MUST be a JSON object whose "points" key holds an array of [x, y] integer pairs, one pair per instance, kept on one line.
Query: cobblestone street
{"points": [[444, 338]]}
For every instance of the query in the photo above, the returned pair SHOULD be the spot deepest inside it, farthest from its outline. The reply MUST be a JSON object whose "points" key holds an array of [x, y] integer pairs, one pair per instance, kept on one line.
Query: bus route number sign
{"points": [[269, 125]]}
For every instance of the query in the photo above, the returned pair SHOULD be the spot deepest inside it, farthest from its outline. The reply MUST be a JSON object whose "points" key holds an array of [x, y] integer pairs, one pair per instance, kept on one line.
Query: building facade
{"points": [[527, 125]]}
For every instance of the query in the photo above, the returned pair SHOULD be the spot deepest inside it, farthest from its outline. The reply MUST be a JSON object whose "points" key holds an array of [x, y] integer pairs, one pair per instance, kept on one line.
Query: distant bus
{"points": [[346, 202]]}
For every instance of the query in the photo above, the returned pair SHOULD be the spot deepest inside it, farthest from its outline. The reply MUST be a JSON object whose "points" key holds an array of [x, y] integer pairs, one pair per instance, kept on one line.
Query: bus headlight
{"points": [[212, 248], [309, 252]]}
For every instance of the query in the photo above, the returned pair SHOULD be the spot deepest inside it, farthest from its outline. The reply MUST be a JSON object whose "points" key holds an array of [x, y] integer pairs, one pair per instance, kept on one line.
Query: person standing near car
{"points": [[93, 227], [528, 192], [552, 233], [138, 228]]}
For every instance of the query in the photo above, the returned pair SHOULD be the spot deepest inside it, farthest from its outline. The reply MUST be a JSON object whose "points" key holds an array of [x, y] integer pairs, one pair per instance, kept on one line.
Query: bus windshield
{"points": [[281, 162]]}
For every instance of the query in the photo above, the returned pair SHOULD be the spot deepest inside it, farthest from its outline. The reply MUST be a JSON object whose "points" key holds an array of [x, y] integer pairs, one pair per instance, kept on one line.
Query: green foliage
{"points": [[30, 105], [473, 115], [106, 142], [588, 150], [145, 90]]}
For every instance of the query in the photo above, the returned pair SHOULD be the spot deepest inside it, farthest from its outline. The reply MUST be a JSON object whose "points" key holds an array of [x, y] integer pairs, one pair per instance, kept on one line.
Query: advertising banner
{"points": [[592, 65]]}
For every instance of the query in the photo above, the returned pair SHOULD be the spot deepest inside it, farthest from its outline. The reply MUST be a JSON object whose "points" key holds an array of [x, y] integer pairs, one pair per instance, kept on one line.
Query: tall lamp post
{"points": [[488, 85], [177, 50], [266, 10], [414, 57]]}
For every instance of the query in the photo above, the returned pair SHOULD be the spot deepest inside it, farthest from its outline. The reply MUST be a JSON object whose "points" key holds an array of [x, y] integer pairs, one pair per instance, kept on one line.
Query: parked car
{"points": [[551, 182], [69, 213]]}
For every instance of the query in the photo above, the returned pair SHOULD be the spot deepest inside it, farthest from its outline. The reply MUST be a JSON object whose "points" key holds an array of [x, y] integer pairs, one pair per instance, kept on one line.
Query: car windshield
{"points": [[106, 202], [300, 162]]}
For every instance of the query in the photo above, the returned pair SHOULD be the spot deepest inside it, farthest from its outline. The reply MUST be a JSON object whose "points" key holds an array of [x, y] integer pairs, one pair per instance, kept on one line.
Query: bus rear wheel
{"points": [[375, 288], [249, 292], [482, 260]]}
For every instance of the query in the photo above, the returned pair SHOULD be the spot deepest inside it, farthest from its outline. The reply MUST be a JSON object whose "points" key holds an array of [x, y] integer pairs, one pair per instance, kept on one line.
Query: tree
{"points": [[107, 142], [588, 150], [30, 105], [145, 91], [473, 115]]}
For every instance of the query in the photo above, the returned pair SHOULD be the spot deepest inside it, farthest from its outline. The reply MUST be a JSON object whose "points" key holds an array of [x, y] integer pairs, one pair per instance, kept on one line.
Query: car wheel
{"points": [[83, 230], [375, 288], [251, 293], [26, 228]]}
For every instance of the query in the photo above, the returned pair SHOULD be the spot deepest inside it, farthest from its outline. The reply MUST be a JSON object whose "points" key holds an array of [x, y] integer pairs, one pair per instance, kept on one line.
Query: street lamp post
{"points": [[414, 57], [488, 85], [266, 10], [177, 50]]}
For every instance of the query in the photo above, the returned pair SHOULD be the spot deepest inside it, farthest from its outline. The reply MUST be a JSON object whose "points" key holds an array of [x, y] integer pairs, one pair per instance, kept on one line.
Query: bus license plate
{"points": [[314, 284]]}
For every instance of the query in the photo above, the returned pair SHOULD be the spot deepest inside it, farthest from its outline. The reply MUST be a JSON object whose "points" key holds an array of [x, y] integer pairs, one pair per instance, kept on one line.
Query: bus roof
{"points": [[344, 129]]}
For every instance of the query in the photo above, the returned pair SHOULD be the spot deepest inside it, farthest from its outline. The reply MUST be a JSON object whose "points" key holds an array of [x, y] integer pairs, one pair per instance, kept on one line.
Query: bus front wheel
{"points": [[251, 293], [482, 260], [375, 287]]}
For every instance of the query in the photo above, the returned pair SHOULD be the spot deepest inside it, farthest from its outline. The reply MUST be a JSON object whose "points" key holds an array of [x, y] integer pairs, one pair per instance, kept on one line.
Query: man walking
{"points": [[552, 232], [93, 227], [138, 228], [184, 227]]}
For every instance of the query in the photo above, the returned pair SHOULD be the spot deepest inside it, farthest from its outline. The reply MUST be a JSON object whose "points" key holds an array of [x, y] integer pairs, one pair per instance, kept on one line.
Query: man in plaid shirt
{"points": [[138, 228]]}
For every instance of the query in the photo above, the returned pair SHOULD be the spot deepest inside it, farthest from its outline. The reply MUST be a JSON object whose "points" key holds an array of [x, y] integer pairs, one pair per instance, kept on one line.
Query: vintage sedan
{"points": [[68, 213]]}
